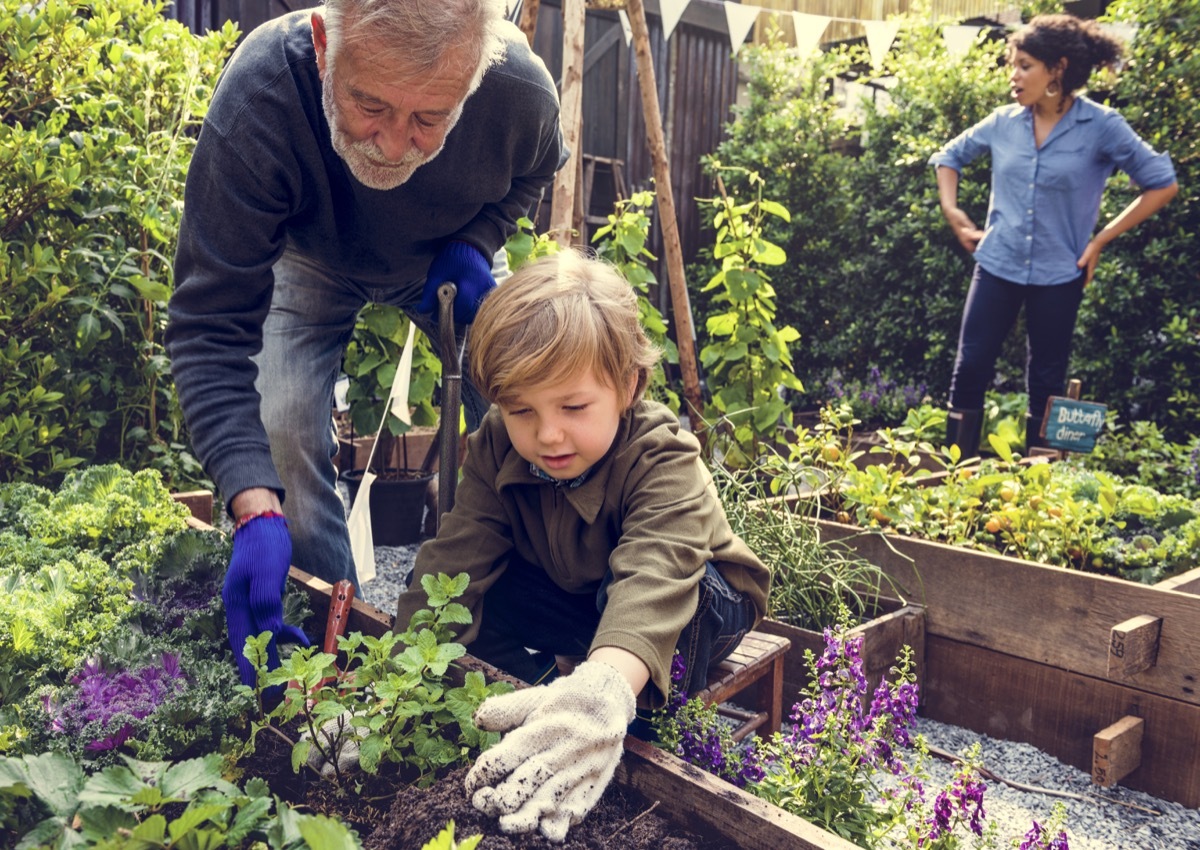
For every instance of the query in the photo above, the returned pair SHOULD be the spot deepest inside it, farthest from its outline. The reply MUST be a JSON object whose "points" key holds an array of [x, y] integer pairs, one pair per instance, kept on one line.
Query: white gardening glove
{"points": [[339, 738], [566, 739]]}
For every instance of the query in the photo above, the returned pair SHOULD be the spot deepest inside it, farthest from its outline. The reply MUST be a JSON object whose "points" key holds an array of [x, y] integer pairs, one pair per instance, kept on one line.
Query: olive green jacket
{"points": [[648, 511]]}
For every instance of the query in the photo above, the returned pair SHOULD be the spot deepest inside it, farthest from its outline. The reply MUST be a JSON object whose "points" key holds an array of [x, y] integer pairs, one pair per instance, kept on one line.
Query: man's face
{"points": [[386, 120]]}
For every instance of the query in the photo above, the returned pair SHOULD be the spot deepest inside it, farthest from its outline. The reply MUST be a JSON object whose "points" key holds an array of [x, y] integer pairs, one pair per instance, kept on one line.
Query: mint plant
{"points": [[391, 703], [49, 801]]}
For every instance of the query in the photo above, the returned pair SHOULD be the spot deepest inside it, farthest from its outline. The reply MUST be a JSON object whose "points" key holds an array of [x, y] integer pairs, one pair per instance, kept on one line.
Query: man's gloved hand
{"points": [[338, 739], [566, 740], [468, 269], [253, 591]]}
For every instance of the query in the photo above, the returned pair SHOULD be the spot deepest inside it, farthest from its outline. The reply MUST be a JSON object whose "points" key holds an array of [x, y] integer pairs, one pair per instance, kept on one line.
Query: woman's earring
{"points": [[1053, 90]]}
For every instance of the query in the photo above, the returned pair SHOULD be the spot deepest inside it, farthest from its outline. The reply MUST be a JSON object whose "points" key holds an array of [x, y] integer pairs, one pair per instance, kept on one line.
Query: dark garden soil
{"points": [[617, 823], [390, 814]]}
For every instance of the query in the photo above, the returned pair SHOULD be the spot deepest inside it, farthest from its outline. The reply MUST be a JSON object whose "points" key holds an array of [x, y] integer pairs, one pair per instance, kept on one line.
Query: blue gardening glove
{"points": [[468, 269], [253, 591]]}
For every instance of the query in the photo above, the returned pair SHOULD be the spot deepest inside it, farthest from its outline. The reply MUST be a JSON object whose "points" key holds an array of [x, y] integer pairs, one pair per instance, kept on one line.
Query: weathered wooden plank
{"points": [[1133, 646], [364, 617], [1117, 751], [1060, 712], [1188, 582], [883, 638], [1046, 614], [198, 502], [702, 803]]}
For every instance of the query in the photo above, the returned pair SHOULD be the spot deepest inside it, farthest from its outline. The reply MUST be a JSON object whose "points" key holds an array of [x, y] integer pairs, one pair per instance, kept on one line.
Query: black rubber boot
{"points": [[963, 427]]}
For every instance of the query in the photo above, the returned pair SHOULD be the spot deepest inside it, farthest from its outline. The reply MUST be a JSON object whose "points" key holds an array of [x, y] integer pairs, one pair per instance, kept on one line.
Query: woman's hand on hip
{"points": [[1088, 260], [965, 231]]}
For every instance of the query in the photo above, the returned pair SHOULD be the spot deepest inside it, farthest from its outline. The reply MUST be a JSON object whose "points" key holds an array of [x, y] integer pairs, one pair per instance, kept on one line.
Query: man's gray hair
{"points": [[421, 33]]}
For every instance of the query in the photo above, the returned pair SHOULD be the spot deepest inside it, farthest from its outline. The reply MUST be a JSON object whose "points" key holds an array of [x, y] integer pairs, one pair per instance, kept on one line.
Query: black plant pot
{"points": [[398, 500]]}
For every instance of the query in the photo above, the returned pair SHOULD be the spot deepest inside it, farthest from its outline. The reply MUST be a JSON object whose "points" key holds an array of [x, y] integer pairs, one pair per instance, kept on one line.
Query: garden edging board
{"points": [[1027, 652]]}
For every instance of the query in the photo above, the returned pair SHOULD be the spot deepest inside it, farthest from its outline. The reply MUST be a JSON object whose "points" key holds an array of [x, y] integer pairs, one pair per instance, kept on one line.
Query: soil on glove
{"points": [[616, 823]]}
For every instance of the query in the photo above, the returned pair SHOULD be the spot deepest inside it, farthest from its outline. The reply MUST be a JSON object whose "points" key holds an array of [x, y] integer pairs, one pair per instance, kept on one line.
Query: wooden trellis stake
{"points": [[666, 208], [529, 17], [567, 180]]}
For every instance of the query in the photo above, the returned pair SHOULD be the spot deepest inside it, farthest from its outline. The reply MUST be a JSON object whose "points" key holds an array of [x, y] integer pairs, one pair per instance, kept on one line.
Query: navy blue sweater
{"points": [[264, 176]]}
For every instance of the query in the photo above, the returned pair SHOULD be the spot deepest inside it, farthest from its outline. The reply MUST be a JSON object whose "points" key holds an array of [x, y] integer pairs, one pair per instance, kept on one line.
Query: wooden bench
{"points": [[757, 661]]}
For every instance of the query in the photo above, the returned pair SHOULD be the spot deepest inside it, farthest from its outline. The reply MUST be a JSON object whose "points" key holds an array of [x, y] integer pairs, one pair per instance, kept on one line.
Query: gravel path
{"points": [[1107, 819]]}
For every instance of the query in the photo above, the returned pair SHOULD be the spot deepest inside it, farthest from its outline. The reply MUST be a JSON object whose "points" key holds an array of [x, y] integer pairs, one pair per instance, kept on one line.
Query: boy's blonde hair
{"points": [[556, 317]]}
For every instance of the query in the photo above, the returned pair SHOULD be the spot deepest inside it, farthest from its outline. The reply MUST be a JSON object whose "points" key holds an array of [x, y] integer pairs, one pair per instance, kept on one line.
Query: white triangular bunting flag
{"points": [[880, 35], [671, 11], [625, 26], [959, 39], [809, 30], [740, 19]]}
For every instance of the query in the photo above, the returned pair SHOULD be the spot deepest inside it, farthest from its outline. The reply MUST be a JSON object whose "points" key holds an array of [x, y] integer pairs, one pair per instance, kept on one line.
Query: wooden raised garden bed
{"points": [[1100, 672], [683, 794]]}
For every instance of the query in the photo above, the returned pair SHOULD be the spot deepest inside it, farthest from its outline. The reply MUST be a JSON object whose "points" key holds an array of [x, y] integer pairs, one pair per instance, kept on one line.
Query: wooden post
{"points": [[666, 208], [1133, 646], [1117, 751], [563, 210], [529, 18]]}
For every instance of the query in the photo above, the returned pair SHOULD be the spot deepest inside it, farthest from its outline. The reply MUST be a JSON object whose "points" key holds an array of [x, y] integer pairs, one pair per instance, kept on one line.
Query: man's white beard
{"points": [[364, 159]]}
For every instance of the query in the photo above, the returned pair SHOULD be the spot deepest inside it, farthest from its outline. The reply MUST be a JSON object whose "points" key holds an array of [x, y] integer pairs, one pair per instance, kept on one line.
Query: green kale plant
{"points": [[391, 703]]}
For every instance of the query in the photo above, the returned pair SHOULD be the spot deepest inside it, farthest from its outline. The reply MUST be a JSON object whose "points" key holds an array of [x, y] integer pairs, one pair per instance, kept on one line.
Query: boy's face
{"points": [[564, 427]]}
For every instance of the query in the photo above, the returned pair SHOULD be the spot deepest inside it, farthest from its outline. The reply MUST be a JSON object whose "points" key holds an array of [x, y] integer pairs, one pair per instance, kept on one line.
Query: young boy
{"points": [[589, 528]]}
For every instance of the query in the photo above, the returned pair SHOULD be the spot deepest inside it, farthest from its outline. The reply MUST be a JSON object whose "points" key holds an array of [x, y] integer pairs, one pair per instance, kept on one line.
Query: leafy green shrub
{"points": [[99, 101], [1138, 344], [1140, 453]]}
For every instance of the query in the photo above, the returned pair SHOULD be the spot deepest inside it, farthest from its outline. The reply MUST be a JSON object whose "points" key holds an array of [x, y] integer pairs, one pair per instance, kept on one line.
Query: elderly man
{"points": [[368, 150]]}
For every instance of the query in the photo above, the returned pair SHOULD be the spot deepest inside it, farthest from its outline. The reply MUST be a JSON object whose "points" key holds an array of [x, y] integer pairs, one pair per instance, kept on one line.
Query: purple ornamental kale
{"points": [[104, 695]]}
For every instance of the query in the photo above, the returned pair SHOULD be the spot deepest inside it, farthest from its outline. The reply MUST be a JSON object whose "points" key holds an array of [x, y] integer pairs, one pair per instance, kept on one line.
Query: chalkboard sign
{"points": [[1072, 425]]}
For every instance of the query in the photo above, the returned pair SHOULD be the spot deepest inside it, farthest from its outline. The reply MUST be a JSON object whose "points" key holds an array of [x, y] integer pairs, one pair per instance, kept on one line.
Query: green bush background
{"points": [[874, 276], [100, 101]]}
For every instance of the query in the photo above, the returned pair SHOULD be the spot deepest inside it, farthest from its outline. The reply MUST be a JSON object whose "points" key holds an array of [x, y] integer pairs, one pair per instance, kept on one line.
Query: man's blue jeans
{"points": [[312, 316], [990, 312], [525, 610]]}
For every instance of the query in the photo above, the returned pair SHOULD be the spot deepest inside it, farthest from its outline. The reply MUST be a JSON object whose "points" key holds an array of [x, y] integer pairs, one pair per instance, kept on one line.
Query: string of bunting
{"points": [[741, 18]]}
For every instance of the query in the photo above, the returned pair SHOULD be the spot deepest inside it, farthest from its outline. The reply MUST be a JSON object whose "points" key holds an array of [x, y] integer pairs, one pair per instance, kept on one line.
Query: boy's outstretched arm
{"points": [[563, 744]]}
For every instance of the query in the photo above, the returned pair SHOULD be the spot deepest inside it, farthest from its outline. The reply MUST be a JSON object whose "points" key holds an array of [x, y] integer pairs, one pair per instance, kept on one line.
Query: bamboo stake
{"points": [[563, 208], [666, 207], [529, 19]]}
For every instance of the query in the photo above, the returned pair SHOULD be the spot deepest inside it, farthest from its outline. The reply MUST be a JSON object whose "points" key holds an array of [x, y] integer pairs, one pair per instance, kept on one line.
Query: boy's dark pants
{"points": [[525, 610]]}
